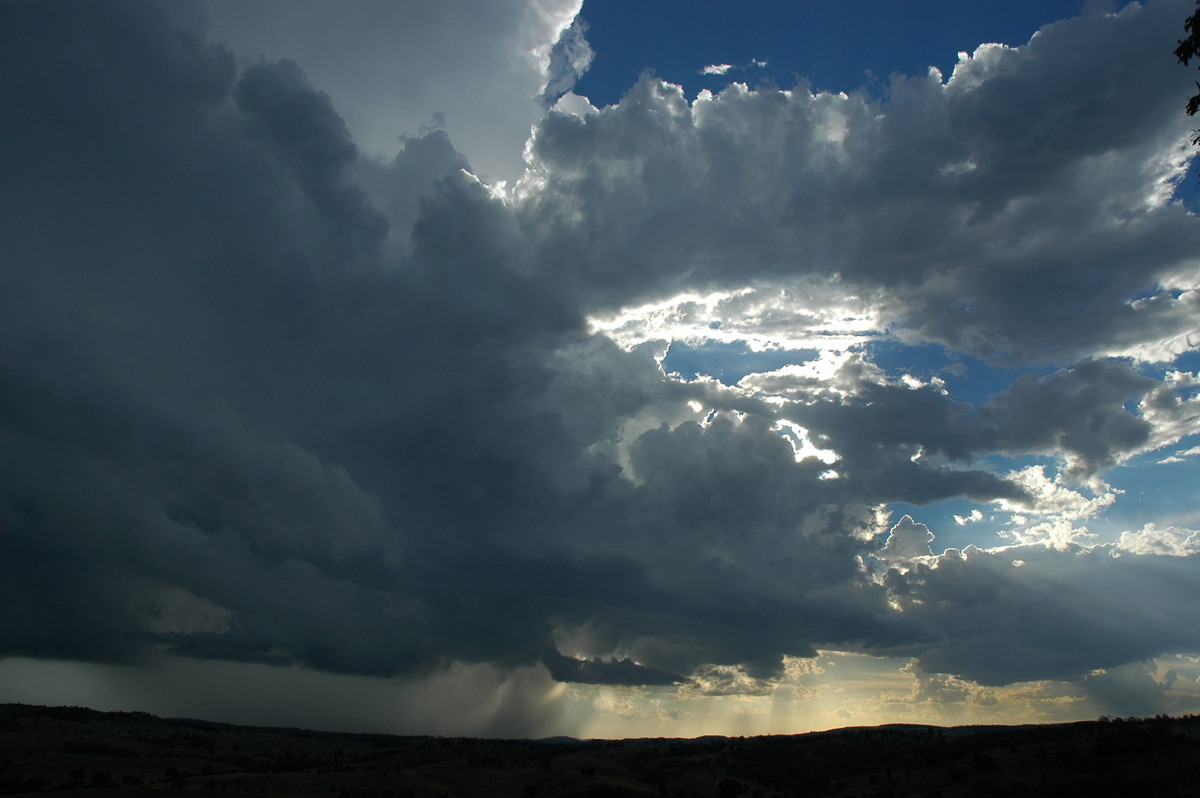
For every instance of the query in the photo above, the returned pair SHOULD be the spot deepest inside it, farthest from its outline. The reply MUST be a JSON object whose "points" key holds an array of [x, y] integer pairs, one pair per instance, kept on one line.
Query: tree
{"points": [[1188, 49]]}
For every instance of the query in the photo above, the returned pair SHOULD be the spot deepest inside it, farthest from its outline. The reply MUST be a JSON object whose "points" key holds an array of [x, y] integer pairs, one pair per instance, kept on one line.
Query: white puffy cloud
{"points": [[974, 517], [907, 540], [1040, 231], [1051, 511], [1151, 539]]}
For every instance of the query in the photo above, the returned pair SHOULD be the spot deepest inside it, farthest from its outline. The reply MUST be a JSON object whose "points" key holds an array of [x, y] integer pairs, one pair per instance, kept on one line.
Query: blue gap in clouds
{"points": [[968, 379], [1152, 492], [1188, 361], [1150, 489], [728, 362], [939, 517], [1188, 190], [838, 46]]}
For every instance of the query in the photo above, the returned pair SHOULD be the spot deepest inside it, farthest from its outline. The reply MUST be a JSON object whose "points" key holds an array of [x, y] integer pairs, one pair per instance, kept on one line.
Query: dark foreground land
{"points": [[74, 751]]}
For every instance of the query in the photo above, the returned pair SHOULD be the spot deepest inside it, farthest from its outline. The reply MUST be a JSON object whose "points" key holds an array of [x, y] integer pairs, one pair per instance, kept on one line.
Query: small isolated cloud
{"points": [[569, 60], [1170, 541], [974, 517], [725, 69], [1180, 457], [907, 540]]}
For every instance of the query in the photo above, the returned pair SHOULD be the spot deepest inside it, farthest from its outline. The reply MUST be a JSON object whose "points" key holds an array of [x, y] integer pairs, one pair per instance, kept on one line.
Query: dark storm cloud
{"points": [[266, 400], [1080, 412], [598, 671], [110, 491], [1075, 610], [879, 433], [179, 335], [195, 353], [315, 144]]}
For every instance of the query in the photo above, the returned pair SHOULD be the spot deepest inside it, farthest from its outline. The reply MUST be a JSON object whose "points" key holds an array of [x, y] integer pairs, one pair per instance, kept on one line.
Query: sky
{"points": [[604, 369]]}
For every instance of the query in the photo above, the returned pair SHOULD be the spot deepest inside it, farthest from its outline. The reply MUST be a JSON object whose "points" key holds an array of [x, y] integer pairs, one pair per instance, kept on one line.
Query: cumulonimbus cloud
{"points": [[265, 399]]}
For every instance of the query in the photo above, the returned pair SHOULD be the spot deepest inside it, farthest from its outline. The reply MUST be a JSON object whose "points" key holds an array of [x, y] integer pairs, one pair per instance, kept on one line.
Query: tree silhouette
{"points": [[1188, 49]]}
